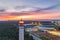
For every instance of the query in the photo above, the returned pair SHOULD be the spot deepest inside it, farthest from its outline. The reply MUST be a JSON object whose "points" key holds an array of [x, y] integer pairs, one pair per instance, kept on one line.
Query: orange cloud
{"points": [[33, 16]]}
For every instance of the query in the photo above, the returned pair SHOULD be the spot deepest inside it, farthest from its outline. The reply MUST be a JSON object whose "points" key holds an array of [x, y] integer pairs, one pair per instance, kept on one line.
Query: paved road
{"points": [[35, 36], [47, 35], [57, 33]]}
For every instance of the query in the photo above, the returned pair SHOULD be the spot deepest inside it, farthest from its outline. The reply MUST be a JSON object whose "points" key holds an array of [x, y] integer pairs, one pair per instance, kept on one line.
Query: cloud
{"points": [[52, 7], [3, 4], [21, 9], [31, 16], [26, 9], [38, 5]]}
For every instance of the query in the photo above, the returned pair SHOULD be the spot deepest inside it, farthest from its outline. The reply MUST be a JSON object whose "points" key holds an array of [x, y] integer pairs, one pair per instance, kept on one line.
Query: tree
{"points": [[57, 25]]}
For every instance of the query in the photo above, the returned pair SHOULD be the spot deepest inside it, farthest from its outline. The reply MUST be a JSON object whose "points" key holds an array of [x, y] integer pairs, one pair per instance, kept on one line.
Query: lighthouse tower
{"points": [[21, 30]]}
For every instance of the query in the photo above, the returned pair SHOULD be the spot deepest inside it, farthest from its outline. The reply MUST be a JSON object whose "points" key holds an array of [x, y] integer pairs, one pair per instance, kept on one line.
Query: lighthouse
{"points": [[21, 30]]}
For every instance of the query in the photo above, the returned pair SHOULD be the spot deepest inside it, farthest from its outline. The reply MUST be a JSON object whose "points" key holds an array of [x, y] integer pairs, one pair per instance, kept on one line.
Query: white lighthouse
{"points": [[21, 30]]}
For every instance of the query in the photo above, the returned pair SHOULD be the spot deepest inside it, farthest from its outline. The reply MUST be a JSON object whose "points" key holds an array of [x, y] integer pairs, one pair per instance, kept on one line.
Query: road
{"points": [[35, 36], [57, 33], [54, 35], [48, 35]]}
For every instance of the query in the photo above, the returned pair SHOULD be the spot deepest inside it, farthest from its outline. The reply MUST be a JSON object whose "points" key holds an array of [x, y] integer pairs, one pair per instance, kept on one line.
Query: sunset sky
{"points": [[29, 9]]}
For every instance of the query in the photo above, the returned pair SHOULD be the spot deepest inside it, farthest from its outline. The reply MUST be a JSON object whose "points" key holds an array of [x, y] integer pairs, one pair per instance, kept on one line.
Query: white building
{"points": [[21, 30]]}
